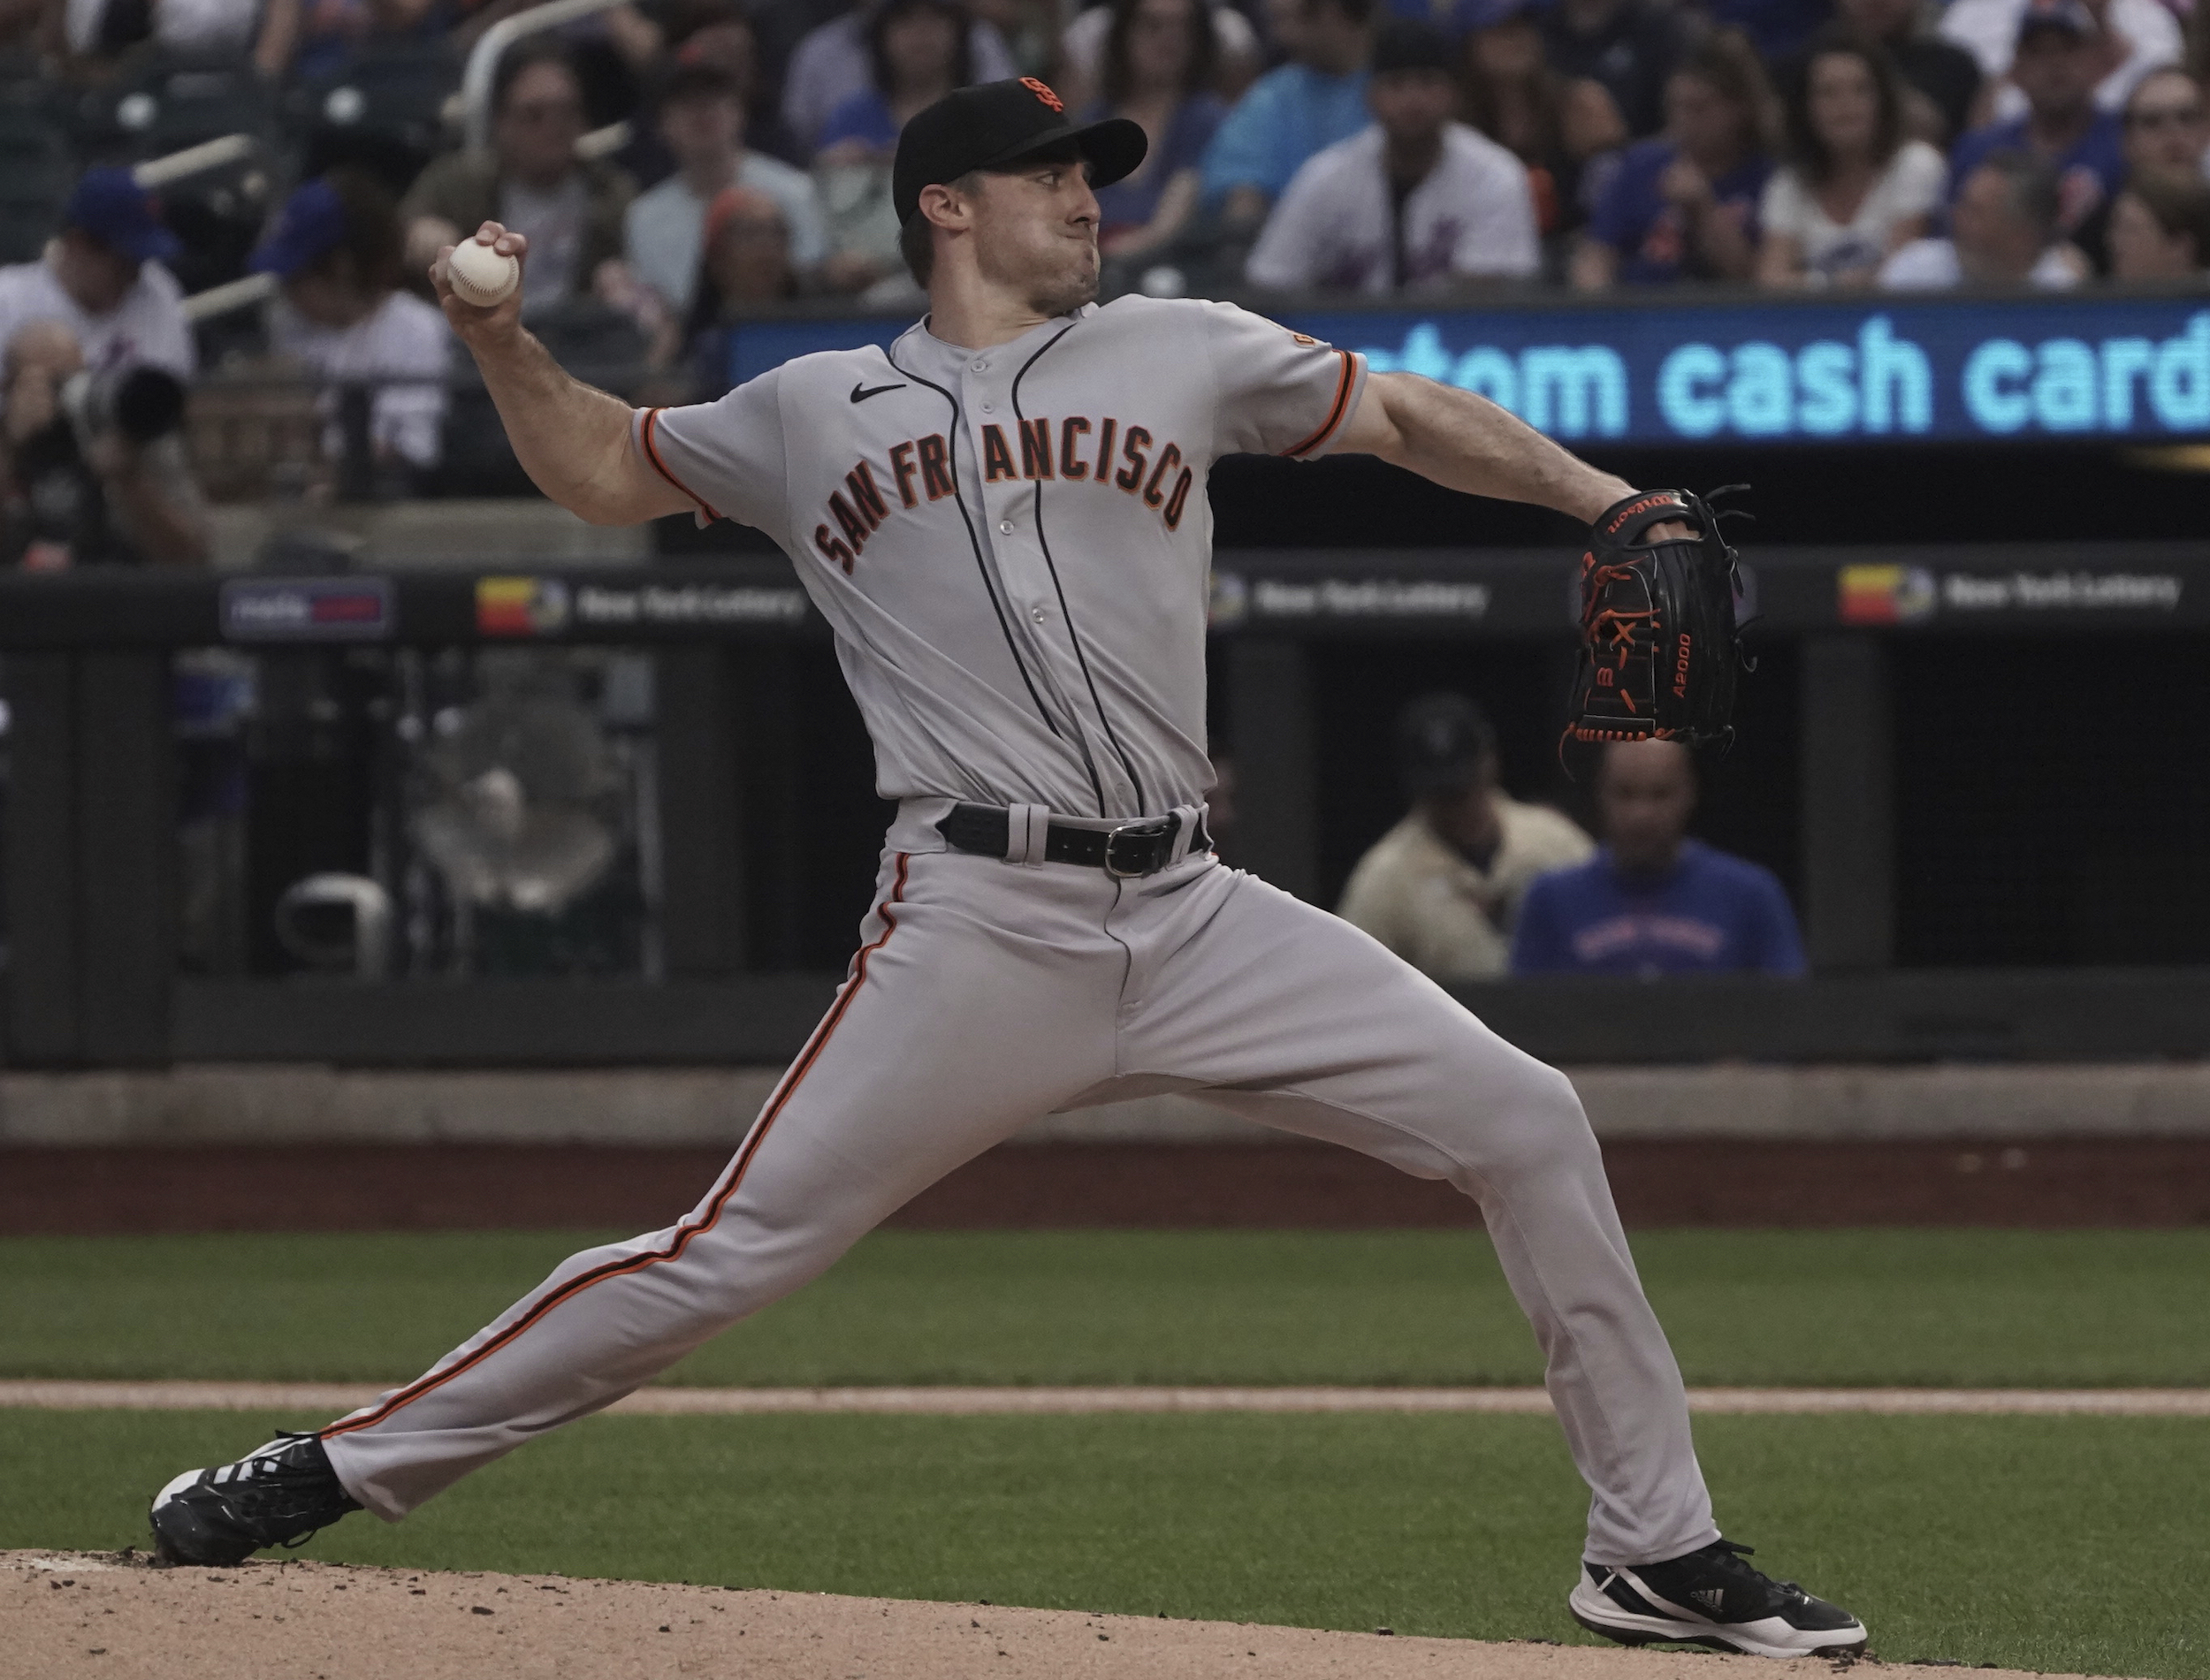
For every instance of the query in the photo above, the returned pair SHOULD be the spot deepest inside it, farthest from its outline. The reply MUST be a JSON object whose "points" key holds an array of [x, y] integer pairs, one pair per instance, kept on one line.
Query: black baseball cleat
{"points": [[276, 1495], [1712, 1597]]}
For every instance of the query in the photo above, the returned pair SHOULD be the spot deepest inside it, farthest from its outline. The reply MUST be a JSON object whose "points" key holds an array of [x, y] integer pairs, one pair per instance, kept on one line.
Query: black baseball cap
{"points": [[1443, 741], [994, 125]]}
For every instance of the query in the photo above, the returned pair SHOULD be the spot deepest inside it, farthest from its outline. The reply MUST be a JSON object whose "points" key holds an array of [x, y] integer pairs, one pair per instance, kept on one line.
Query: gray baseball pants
{"points": [[987, 993]]}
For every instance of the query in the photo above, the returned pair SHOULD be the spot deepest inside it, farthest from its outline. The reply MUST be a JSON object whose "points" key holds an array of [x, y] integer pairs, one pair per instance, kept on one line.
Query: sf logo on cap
{"points": [[1043, 94]]}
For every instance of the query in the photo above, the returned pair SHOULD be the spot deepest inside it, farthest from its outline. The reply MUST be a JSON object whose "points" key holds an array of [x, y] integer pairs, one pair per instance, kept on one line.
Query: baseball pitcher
{"points": [[1003, 517]]}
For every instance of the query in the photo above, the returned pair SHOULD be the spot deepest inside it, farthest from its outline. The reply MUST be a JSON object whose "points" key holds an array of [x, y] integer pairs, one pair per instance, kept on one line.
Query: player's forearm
{"points": [[573, 440], [1467, 442]]}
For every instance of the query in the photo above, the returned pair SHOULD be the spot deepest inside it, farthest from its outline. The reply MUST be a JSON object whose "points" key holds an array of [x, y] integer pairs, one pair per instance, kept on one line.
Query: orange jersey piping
{"points": [[576, 1285], [1335, 413], [653, 454]]}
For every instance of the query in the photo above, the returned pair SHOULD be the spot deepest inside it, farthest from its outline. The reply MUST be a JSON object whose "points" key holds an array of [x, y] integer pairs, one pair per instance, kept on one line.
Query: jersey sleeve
{"points": [[726, 456], [1278, 392]]}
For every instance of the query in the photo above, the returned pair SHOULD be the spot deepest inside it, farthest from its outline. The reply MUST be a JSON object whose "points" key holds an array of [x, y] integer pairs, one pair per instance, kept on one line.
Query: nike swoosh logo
{"points": [[860, 393]]}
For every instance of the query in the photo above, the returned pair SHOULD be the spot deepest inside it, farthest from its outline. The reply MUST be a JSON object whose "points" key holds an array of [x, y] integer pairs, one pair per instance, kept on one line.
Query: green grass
{"points": [[2000, 1308], [2035, 1543]]}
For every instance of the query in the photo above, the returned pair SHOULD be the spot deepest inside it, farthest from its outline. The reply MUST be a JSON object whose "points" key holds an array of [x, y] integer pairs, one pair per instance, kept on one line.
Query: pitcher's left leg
{"points": [[1297, 1019]]}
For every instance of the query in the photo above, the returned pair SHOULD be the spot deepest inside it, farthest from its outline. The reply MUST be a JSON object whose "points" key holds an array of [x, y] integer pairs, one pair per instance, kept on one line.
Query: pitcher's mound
{"points": [[113, 1616]]}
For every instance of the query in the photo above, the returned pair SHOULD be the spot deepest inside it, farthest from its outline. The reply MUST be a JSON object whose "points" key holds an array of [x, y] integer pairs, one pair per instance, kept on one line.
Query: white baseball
{"points": [[480, 275]]}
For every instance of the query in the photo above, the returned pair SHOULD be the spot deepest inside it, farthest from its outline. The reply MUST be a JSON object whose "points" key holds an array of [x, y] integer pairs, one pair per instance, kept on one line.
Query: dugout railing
{"points": [[91, 866]]}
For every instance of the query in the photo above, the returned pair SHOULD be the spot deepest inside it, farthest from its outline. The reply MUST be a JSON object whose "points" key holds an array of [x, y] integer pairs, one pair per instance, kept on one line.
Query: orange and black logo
{"points": [[1044, 94]]}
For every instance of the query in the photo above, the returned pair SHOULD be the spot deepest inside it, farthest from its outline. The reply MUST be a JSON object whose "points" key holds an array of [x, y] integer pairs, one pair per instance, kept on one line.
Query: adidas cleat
{"points": [[278, 1494], [1711, 1597]]}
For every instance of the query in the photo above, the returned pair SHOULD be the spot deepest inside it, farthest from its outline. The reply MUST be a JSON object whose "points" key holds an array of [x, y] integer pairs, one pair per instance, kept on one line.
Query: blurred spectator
{"points": [[744, 263], [1942, 81], [1442, 889], [2060, 51], [2132, 37], [2159, 231], [1652, 901], [1684, 206], [1289, 114], [331, 31], [842, 59], [919, 50], [381, 353], [103, 277], [532, 182], [1630, 46], [2166, 133], [1853, 188], [715, 35], [1777, 29], [204, 30], [2167, 125], [1415, 202], [2002, 233], [95, 469], [1231, 60], [1158, 65], [1551, 124], [1030, 29], [702, 124]]}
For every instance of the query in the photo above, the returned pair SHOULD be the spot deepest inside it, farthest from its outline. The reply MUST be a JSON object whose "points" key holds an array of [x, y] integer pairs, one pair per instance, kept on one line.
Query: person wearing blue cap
{"points": [[337, 248], [2059, 57], [103, 278]]}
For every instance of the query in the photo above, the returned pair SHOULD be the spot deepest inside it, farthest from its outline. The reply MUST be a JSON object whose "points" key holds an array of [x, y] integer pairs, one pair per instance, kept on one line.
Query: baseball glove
{"points": [[1658, 643]]}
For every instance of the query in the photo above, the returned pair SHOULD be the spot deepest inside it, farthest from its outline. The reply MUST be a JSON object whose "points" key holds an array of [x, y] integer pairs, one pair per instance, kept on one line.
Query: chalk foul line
{"points": [[334, 1399]]}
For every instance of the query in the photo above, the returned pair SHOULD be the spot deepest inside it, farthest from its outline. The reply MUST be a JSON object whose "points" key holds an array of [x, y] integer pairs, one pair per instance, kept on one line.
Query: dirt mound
{"points": [[112, 1615]]}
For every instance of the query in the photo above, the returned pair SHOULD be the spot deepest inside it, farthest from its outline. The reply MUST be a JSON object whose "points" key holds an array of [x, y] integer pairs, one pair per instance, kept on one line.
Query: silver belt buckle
{"points": [[1141, 828]]}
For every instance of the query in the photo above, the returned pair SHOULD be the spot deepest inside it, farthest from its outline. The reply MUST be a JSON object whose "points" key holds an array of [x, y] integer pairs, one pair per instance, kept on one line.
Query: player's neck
{"points": [[976, 315]]}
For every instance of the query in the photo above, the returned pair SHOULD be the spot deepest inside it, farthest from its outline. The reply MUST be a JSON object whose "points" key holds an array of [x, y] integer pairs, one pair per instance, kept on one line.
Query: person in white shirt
{"points": [[1854, 190], [701, 123], [1417, 202], [102, 277], [337, 247], [1441, 889], [2002, 233], [2137, 36]]}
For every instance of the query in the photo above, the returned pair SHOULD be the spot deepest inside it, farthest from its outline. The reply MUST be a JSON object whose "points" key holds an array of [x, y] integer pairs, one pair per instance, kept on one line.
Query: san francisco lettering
{"points": [[1076, 450]]}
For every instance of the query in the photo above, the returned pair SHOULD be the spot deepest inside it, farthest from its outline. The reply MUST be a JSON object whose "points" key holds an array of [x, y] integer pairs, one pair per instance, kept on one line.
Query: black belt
{"points": [[1144, 847]]}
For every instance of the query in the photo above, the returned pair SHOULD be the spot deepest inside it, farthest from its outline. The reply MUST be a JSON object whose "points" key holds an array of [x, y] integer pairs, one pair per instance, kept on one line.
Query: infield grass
{"points": [[1982, 1308], [2034, 1543]]}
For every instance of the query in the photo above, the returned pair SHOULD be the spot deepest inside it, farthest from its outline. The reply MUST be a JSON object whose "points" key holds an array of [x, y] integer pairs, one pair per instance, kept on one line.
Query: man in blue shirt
{"points": [[1652, 901], [1316, 99], [2059, 60]]}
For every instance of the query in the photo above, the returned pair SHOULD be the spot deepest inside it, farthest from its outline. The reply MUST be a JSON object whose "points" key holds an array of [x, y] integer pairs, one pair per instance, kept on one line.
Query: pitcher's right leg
{"points": [[945, 1038]]}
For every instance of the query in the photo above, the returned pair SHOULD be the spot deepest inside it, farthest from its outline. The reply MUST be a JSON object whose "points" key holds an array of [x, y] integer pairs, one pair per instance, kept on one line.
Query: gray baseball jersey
{"points": [[1011, 544]]}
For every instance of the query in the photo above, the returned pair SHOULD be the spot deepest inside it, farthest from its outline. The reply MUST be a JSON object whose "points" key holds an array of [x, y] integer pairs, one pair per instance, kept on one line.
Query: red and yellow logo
{"points": [[1044, 95], [520, 605], [1883, 594]]}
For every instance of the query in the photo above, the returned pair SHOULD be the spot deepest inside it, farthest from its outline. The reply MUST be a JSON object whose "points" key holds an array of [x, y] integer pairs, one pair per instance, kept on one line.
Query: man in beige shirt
{"points": [[1441, 889]]}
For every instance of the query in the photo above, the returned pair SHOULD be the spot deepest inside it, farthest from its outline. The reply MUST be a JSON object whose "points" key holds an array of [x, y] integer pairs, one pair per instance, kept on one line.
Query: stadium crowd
{"points": [[680, 164]]}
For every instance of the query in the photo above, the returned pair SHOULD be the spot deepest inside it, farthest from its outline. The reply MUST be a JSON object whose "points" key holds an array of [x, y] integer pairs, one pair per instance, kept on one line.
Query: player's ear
{"points": [[947, 207]]}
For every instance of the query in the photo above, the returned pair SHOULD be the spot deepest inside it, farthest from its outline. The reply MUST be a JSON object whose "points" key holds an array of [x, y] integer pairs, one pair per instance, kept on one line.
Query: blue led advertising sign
{"points": [[1877, 370]]}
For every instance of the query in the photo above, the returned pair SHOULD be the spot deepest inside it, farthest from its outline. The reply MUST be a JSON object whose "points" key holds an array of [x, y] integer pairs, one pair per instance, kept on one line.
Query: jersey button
{"points": [[989, 408], [981, 367], [1038, 614], [1006, 526]]}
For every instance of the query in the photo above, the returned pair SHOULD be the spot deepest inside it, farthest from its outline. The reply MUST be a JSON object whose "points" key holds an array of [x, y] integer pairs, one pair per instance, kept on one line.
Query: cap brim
{"points": [[1114, 148]]}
